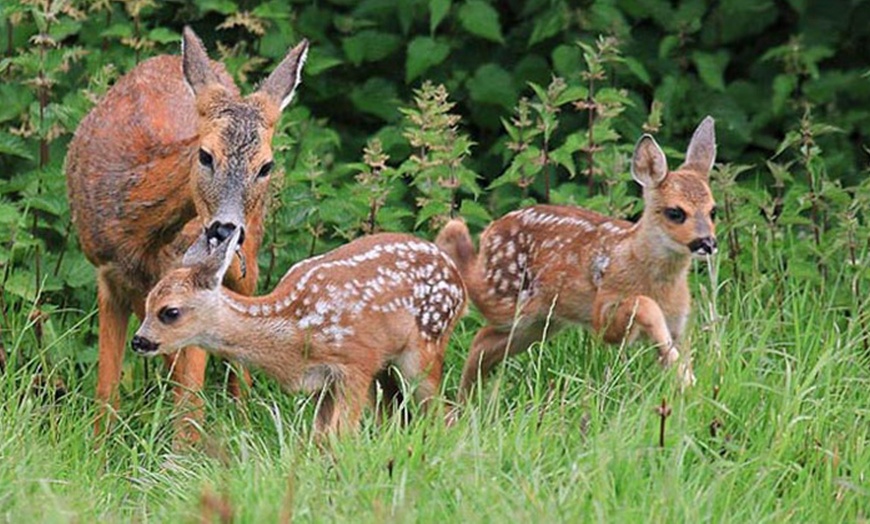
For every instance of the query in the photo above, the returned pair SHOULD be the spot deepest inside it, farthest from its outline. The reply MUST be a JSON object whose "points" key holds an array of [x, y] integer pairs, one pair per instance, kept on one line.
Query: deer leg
{"points": [[114, 316], [188, 374], [641, 314], [239, 375], [423, 362], [491, 346], [341, 405]]}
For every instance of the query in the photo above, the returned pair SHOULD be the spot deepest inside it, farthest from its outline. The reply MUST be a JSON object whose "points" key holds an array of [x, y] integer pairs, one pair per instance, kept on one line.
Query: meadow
{"points": [[413, 112]]}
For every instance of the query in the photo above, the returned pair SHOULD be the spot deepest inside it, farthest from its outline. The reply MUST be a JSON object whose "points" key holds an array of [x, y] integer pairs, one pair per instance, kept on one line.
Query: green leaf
{"points": [[224, 7], [711, 68], [492, 85], [14, 145], [319, 62], [571, 94], [438, 9], [783, 87], [567, 60], [423, 53], [548, 24], [369, 46], [163, 35], [481, 19], [430, 210], [9, 214], [377, 97], [637, 69], [474, 212]]}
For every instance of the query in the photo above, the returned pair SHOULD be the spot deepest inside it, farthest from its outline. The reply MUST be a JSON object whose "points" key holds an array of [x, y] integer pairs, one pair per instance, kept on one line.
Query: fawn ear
{"points": [[702, 148], [208, 262], [194, 62], [648, 164], [281, 84]]}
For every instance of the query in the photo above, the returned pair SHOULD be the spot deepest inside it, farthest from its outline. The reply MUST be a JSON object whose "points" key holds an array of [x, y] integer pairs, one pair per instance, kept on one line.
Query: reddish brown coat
{"points": [[140, 193]]}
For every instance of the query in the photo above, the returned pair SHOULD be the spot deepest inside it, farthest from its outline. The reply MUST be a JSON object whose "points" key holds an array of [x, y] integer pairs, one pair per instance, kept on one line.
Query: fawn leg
{"points": [[640, 314], [491, 346], [114, 316], [423, 362], [341, 405]]}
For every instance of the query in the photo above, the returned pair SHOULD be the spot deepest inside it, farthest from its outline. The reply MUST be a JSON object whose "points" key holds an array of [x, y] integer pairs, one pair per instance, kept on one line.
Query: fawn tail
{"points": [[455, 240]]}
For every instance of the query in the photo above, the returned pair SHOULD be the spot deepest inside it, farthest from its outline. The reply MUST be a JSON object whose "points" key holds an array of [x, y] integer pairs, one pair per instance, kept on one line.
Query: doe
{"points": [[332, 324], [172, 151], [558, 265]]}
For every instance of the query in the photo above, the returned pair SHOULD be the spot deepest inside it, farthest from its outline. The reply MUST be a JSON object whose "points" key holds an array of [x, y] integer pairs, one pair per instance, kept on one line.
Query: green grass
{"points": [[567, 432]]}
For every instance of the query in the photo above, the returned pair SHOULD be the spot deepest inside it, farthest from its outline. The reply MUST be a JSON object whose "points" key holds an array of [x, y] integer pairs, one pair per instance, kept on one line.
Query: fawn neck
{"points": [[238, 333], [647, 248]]}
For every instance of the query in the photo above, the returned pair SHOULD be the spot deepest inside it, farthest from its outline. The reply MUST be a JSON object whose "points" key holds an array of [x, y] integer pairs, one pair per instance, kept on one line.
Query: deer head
{"points": [[187, 299], [679, 207], [231, 171]]}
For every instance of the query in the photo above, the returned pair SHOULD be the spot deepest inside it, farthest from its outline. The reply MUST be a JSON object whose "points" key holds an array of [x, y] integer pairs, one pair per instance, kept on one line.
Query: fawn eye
{"points": [[205, 159], [675, 214], [168, 315], [265, 170], [713, 213]]}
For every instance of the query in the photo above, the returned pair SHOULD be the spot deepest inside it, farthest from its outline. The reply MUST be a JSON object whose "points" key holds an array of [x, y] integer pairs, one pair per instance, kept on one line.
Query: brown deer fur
{"points": [[330, 326], [563, 265], [172, 149]]}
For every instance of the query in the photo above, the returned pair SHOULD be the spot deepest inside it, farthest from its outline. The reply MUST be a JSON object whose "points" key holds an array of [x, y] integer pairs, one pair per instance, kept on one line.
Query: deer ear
{"points": [[209, 263], [194, 62], [648, 164], [702, 148], [281, 84]]}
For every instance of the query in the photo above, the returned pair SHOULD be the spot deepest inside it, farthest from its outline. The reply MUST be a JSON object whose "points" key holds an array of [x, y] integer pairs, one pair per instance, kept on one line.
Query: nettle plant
{"points": [[435, 166], [537, 147]]}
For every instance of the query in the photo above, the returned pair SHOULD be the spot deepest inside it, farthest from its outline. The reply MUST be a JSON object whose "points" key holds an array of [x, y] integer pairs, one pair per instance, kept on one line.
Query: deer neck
{"points": [[254, 330], [649, 248]]}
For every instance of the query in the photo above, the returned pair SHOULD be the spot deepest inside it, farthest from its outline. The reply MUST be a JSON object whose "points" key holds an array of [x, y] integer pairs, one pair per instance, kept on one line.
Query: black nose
{"points": [[221, 231], [703, 246], [142, 345]]}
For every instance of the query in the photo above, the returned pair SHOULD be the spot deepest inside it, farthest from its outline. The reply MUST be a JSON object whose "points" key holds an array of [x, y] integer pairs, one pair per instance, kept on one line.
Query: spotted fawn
{"points": [[554, 266], [331, 325]]}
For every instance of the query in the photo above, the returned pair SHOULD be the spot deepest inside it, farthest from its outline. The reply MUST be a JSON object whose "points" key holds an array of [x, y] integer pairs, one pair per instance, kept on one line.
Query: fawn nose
{"points": [[142, 345], [221, 231], [703, 246]]}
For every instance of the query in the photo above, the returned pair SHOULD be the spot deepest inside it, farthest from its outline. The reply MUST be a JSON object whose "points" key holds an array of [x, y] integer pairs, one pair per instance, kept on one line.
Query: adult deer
{"points": [[171, 152], [561, 265], [332, 324]]}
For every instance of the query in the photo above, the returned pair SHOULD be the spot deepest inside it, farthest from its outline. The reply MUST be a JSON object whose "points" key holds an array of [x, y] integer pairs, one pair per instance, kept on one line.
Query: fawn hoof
{"points": [[685, 374], [669, 356]]}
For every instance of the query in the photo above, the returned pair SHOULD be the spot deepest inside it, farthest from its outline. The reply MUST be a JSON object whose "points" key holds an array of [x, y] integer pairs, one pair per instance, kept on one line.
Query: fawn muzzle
{"points": [[143, 346], [703, 246]]}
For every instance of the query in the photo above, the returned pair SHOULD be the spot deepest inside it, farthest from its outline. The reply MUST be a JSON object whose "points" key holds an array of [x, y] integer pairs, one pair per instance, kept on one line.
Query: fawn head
{"points": [[230, 177], [184, 305], [679, 207]]}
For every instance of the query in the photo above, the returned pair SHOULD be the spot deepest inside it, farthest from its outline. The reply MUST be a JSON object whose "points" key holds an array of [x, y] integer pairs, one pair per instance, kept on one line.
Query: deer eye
{"points": [[675, 214], [265, 170], [205, 159], [168, 315], [713, 213]]}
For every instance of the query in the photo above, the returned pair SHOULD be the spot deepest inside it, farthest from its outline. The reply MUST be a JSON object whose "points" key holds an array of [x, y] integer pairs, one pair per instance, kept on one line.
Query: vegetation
{"points": [[411, 112]]}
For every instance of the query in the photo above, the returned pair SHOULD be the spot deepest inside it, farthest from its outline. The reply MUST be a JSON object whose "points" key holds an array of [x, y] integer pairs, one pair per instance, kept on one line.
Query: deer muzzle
{"points": [[144, 346], [703, 246]]}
